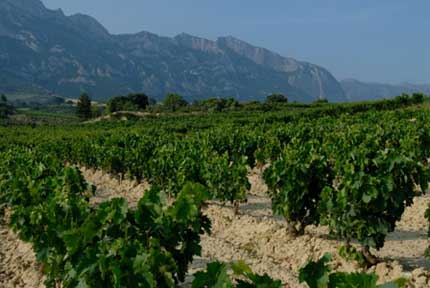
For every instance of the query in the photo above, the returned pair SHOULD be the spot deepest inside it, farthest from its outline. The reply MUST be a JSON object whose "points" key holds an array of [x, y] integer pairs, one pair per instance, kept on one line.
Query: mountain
{"points": [[362, 91], [45, 50]]}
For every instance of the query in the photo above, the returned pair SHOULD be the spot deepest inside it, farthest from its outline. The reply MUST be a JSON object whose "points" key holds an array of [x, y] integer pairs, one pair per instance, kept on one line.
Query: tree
{"points": [[131, 102], [84, 107], [173, 102], [402, 100], [232, 103], [276, 98], [5, 108], [213, 104], [140, 100], [418, 98], [253, 106]]}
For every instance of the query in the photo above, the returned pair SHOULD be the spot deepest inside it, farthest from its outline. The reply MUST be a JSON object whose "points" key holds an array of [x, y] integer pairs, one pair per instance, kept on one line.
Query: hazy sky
{"points": [[371, 40]]}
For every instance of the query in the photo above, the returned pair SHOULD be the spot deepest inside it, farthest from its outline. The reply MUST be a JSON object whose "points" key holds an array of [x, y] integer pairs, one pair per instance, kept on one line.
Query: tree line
{"points": [[173, 102], [6, 108]]}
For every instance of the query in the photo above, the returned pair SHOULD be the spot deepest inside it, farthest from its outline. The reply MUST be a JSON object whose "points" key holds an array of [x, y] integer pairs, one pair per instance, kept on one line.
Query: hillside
{"points": [[362, 91], [66, 55]]}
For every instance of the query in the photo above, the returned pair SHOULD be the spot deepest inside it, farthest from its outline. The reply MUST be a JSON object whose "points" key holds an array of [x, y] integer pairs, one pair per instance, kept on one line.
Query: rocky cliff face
{"points": [[42, 48]]}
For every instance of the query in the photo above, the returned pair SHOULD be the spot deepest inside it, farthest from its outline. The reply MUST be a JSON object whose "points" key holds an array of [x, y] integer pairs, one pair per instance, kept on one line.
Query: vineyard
{"points": [[341, 179]]}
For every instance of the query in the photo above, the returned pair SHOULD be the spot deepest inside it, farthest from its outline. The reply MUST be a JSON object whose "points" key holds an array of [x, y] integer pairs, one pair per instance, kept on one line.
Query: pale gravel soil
{"points": [[18, 267], [109, 187], [255, 236]]}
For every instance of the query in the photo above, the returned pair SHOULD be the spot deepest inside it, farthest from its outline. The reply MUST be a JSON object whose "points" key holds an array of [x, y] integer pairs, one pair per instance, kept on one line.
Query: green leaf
{"points": [[215, 276], [141, 266], [366, 198], [240, 268], [398, 283], [352, 280], [316, 274]]}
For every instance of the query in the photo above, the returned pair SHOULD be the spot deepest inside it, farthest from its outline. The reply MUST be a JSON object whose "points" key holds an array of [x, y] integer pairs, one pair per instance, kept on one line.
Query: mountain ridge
{"points": [[70, 54], [357, 90]]}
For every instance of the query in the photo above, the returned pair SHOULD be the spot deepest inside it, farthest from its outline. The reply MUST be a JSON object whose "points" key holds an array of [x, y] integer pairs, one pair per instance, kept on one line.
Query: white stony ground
{"points": [[18, 267], [255, 236]]}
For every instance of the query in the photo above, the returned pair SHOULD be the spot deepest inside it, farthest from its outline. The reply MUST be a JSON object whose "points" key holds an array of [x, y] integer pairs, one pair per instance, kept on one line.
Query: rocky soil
{"points": [[18, 267]]}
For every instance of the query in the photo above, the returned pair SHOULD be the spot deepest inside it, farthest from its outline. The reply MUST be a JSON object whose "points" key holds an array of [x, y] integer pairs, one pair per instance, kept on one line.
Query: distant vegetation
{"points": [[31, 99], [83, 109], [6, 108], [131, 102], [277, 98], [173, 102], [216, 104], [278, 102], [320, 101]]}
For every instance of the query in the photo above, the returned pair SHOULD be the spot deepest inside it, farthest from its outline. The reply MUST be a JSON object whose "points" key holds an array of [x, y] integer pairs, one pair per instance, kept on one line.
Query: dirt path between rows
{"points": [[18, 267], [256, 236]]}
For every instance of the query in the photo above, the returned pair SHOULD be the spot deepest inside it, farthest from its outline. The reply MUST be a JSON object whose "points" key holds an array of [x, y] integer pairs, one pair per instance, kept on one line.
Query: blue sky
{"points": [[370, 40]]}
